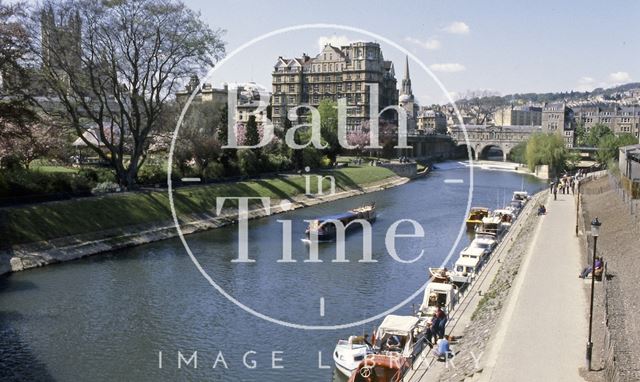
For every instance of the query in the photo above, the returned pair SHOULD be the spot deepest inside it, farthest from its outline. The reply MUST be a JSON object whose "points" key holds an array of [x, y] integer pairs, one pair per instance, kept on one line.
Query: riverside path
{"points": [[542, 333]]}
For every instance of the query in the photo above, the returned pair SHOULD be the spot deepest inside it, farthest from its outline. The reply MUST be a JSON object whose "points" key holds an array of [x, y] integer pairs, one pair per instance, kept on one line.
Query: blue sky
{"points": [[507, 46]]}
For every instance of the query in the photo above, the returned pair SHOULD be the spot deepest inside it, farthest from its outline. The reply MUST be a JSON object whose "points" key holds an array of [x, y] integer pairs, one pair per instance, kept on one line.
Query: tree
{"points": [[251, 133], [118, 67], [547, 149], [581, 134], [518, 153], [198, 139], [480, 104], [596, 134], [609, 145], [329, 128]]}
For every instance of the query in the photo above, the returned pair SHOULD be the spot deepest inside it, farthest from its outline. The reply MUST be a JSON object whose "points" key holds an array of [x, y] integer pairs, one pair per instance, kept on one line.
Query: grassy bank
{"points": [[58, 219]]}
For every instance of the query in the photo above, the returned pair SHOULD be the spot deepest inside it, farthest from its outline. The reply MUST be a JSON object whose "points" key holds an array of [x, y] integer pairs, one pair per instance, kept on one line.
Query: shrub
{"points": [[106, 187], [213, 170], [248, 162], [152, 174], [311, 157], [275, 162]]}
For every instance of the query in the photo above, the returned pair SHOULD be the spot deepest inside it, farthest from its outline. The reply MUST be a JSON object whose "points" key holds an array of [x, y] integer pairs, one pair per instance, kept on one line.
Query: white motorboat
{"points": [[464, 270], [492, 225], [521, 196], [349, 353], [507, 216], [487, 242], [436, 294]]}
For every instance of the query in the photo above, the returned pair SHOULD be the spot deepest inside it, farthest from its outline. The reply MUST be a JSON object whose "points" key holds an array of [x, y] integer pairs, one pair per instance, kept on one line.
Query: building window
{"points": [[290, 88]]}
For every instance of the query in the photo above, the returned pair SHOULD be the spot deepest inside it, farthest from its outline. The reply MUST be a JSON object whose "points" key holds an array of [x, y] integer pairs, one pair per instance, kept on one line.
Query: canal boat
{"points": [[348, 354], [464, 270], [485, 241], [491, 225], [506, 215], [324, 228], [443, 295], [475, 252], [476, 214], [522, 196], [381, 368]]}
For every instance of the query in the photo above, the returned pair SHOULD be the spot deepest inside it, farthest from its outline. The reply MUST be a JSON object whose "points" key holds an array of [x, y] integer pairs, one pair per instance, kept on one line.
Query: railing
{"points": [[465, 299], [611, 372]]}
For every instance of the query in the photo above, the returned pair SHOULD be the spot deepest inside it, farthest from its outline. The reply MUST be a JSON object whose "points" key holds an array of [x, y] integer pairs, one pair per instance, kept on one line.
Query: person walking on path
{"points": [[555, 192]]}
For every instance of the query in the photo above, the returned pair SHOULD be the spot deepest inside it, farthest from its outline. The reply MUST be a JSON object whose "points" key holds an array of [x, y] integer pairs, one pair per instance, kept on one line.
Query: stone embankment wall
{"points": [[407, 170]]}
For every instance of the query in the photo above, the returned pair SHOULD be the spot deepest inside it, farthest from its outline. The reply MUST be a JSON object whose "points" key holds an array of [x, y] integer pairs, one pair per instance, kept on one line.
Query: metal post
{"points": [[593, 269]]}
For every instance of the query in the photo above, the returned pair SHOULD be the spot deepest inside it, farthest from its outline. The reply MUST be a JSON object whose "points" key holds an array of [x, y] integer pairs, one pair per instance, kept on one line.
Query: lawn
{"points": [[85, 215]]}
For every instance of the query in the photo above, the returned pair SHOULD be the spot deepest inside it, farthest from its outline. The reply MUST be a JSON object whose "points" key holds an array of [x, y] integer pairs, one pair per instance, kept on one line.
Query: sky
{"points": [[504, 47]]}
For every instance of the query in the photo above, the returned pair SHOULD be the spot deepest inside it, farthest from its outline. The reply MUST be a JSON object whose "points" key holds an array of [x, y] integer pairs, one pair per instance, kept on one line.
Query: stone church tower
{"points": [[407, 101]]}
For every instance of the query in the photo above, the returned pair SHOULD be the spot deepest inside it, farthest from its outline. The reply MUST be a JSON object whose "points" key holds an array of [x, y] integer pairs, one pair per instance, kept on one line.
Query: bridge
{"points": [[482, 138]]}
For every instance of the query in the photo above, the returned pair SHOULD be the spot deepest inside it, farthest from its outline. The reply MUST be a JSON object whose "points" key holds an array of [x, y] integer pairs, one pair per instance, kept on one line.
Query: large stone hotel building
{"points": [[335, 73]]}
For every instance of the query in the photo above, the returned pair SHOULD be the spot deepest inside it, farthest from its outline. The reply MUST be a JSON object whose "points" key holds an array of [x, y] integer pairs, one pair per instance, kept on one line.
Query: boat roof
{"points": [[479, 209], [491, 220], [468, 261], [437, 287], [343, 215], [520, 193], [398, 325], [503, 211], [472, 251]]}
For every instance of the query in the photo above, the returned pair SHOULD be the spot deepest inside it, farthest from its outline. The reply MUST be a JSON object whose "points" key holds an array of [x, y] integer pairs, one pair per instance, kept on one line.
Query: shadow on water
{"points": [[17, 361]]}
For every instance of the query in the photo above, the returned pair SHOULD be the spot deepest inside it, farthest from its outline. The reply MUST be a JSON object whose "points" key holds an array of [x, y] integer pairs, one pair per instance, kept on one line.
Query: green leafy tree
{"points": [[518, 153], [596, 134], [130, 58], [329, 128], [547, 149], [581, 134], [609, 145], [252, 135]]}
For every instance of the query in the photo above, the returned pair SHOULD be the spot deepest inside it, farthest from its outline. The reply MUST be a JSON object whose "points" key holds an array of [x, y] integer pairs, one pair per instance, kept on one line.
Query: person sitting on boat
{"points": [[366, 340], [443, 350], [393, 343], [585, 272]]}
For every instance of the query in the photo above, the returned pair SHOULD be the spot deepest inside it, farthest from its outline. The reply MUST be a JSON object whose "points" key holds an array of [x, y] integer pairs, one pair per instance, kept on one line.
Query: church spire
{"points": [[406, 82]]}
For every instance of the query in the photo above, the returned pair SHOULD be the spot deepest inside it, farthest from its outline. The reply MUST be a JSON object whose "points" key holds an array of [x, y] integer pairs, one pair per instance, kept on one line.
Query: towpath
{"points": [[542, 333]]}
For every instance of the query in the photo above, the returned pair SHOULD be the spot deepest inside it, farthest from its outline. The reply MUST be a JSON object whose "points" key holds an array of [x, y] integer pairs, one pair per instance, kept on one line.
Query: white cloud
{"points": [[457, 27], [334, 40], [447, 67], [428, 44], [586, 83], [619, 78]]}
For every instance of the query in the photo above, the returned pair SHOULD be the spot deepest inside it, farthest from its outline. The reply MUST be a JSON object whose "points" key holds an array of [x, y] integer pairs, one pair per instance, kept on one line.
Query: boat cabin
{"points": [[398, 334], [522, 196], [506, 215], [464, 270], [473, 252], [491, 224], [438, 295], [475, 216]]}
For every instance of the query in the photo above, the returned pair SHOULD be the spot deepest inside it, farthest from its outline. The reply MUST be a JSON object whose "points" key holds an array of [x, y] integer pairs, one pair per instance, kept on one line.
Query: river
{"points": [[108, 317]]}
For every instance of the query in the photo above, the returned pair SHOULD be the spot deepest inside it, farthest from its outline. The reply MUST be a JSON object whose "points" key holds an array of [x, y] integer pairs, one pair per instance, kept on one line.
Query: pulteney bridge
{"points": [[482, 138]]}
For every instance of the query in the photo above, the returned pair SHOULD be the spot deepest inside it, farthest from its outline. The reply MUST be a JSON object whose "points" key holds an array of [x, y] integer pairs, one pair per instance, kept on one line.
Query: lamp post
{"points": [[595, 232]]}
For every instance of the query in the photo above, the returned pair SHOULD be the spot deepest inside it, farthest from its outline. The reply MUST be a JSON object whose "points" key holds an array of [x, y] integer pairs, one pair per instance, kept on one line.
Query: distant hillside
{"points": [[614, 93]]}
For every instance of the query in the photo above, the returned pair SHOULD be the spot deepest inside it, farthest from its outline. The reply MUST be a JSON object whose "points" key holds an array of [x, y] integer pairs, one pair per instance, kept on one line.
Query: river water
{"points": [[113, 317]]}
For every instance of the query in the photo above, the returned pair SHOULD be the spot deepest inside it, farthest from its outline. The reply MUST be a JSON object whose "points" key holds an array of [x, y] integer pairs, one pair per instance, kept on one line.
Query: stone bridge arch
{"points": [[484, 148]]}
